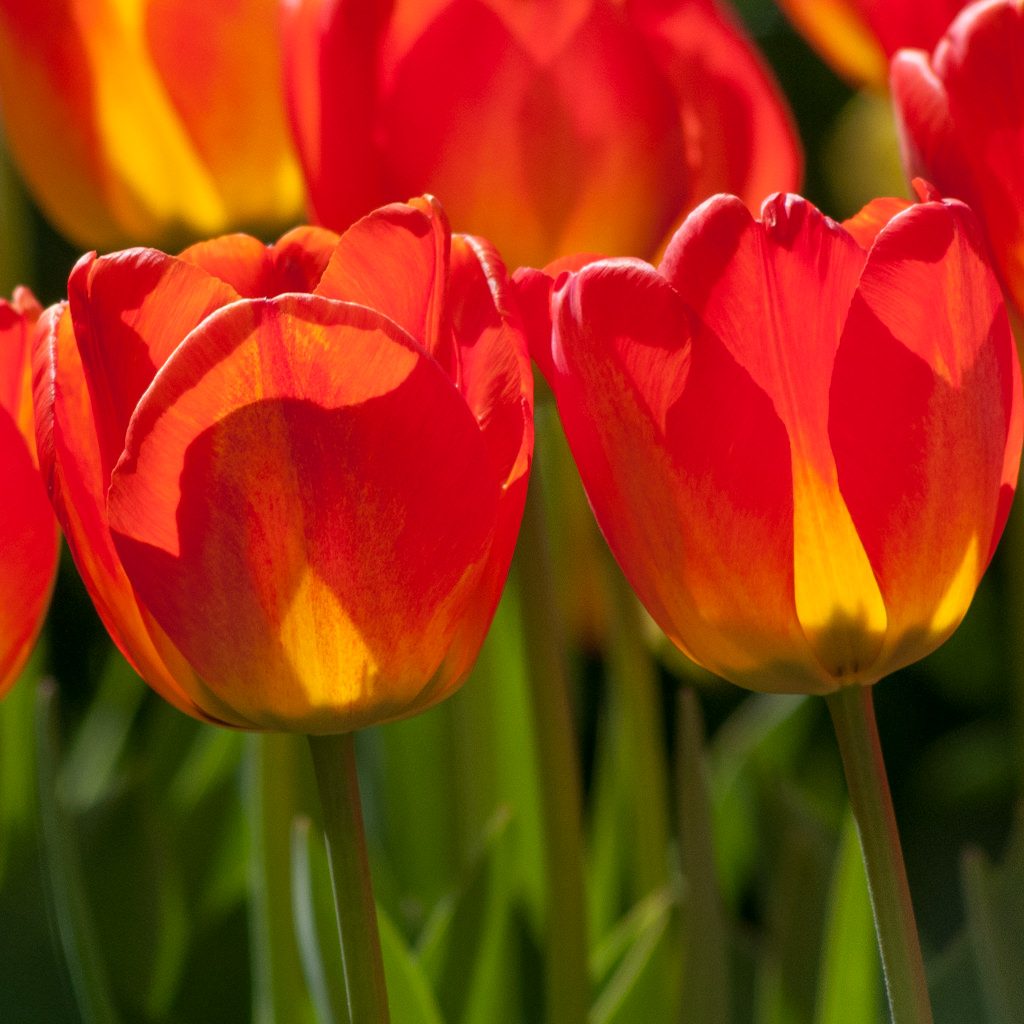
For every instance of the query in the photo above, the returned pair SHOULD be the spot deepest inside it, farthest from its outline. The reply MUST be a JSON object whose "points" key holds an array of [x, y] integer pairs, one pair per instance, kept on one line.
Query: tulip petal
{"points": [[310, 530], [331, 50], [396, 261], [28, 531], [682, 518], [203, 50], [94, 93], [538, 146], [777, 292], [867, 222], [496, 377], [739, 134], [497, 384], [962, 120], [857, 37], [28, 542], [72, 466], [925, 442], [293, 264], [130, 311]]}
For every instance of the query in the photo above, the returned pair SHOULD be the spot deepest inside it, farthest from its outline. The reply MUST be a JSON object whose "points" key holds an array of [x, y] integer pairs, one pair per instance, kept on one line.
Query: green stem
{"points": [[334, 761], [567, 981], [853, 716]]}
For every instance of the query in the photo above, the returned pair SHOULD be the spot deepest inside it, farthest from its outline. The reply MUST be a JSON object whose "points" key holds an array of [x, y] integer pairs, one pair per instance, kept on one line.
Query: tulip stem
{"points": [[567, 980], [853, 716], [334, 761]]}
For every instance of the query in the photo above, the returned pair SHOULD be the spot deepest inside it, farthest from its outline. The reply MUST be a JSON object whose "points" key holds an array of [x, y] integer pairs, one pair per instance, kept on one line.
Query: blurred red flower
{"points": [[857, 37], [148, 120], [547, 127]]}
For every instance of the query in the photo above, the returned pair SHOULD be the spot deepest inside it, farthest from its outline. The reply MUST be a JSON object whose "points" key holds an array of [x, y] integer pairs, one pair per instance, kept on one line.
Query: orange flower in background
{"points": [[148, 119], [800, 439], [292, 477], [547, 127], [961, 117], [857, 37], [28, 532]]}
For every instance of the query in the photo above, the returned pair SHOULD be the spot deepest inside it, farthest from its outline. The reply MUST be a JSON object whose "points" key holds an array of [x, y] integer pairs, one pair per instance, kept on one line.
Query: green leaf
{"points": [[316, 925], [468, 947], [798, 853], [94, 756], [75, 924], [850, 984], [705, 953], [17, 756], [761, 738], [629, 833], [954, 985], [628, 966], [995, 913], [409, 994]]}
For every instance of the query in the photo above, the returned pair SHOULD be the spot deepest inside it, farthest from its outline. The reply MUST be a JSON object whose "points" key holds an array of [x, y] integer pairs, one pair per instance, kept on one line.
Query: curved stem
{"points": [[853, 716], [334, 761]]}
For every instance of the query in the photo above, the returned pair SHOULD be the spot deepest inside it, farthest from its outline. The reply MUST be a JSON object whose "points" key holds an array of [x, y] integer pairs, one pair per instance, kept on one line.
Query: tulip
{"points": [[150, 119], [548, 128], [28, 532], [858, 37], [292, 477], [800, 438], [961, 118]]}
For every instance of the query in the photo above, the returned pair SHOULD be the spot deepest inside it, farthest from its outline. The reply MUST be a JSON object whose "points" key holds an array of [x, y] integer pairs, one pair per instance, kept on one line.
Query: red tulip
{"points": [[961, 114], [857, 37], [148, 119], [28, 532], [292, 477], [548, 128], [800, 438]]}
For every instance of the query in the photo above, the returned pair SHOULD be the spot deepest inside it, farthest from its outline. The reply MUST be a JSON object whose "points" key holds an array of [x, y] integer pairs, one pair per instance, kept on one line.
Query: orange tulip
{"points": [[857, 37], [547, 127], [292, 477], [148, 119], [28, 532], [961, 118], [800, 438]]}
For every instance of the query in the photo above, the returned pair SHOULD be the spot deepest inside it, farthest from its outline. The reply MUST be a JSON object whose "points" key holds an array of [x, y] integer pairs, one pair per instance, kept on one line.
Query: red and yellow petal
{"points": [[28, 531], [295, 263], [635, 395], [28, 552], [72, 466], [962, 121], [130, 310], [395, 260], [776, 292], [921, 447], [331, 52], [220, 64], [533, 148], [306, 504], [857, 37], [739, 135]]}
